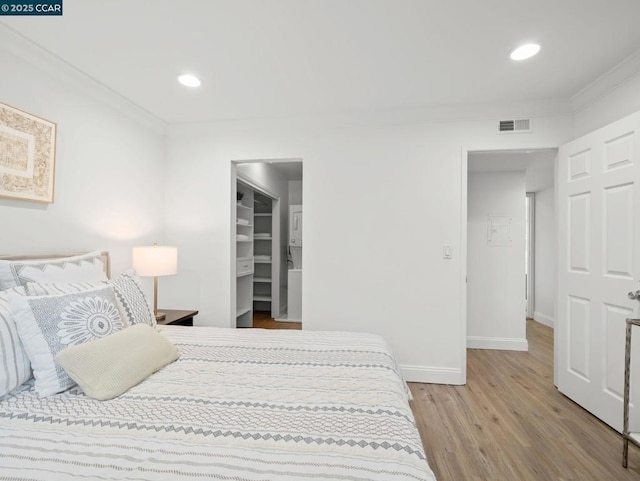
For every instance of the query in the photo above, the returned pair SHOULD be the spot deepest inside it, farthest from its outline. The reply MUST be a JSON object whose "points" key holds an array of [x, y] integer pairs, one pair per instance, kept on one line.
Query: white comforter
{"points": [[237, 405]]}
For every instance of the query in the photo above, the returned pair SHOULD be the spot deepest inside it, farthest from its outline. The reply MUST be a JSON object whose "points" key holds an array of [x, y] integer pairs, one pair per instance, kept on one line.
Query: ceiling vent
{"points": [[514, 126]]}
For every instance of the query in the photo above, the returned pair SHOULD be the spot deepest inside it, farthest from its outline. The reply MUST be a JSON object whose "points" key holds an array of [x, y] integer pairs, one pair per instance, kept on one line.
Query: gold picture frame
{"points": [[27, 155]]}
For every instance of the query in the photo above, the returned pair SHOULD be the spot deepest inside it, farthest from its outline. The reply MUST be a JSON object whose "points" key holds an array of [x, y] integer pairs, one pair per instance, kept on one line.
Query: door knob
{"points": [[634, 295]]}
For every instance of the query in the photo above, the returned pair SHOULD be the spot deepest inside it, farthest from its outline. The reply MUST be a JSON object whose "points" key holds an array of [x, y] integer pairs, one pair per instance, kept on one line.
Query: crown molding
{"points": [[607, 82], [18, 45], [390, 117]]}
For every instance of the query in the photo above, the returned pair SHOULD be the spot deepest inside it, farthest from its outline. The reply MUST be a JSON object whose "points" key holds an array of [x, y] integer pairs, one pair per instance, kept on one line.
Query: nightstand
{"points": [[177, 317]]}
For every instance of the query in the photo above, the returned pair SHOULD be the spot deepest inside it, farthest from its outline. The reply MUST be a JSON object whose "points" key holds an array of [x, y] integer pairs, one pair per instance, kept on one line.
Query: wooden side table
{"points": [[178, 317]]}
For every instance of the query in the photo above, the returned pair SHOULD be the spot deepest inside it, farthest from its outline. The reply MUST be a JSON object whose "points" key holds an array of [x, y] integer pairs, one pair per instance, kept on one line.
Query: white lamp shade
{"points": [[151, 261]]}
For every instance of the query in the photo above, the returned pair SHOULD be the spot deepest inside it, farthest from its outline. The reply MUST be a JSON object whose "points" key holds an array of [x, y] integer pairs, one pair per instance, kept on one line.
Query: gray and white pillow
{"points": [[132, 301], [15, 368], [83, 268], [48, 324], [58, 288]]}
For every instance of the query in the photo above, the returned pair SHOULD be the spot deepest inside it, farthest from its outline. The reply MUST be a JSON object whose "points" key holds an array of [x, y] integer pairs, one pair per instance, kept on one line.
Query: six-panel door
{"points": [[598, 242]]}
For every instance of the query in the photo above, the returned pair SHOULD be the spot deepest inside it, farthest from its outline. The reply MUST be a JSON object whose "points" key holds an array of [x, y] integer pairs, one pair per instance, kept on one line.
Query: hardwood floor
{"points": [[263, 320], [510, 423]]}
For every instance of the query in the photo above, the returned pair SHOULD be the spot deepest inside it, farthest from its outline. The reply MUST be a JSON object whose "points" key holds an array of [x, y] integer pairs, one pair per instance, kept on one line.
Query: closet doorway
{"points": [[266, 243]]}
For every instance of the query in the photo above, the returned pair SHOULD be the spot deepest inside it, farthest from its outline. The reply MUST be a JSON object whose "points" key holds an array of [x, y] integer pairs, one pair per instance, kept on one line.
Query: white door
{"points": [[598, 264]]}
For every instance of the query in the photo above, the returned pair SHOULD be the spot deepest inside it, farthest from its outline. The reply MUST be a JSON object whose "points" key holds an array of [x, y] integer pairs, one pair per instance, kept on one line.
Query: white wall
{"points": [[109, 170], [496, 316], [545, 257], [380, 201], [295, 192]]}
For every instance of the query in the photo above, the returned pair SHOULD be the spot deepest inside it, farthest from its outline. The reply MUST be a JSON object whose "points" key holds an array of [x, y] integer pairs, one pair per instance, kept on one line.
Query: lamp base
{"points": [[160, 316]]}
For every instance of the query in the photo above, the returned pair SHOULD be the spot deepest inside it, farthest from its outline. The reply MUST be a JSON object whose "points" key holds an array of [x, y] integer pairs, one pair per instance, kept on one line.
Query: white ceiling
{"points": [[266, 58]]}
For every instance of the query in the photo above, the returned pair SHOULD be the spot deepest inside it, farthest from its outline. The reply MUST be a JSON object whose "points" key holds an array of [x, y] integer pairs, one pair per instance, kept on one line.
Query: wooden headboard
{"points": [[106, 259]]}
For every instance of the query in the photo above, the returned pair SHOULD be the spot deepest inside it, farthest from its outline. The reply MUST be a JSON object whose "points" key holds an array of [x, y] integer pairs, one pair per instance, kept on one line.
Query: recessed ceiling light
{"points": [[525, 51], [189, 80]]}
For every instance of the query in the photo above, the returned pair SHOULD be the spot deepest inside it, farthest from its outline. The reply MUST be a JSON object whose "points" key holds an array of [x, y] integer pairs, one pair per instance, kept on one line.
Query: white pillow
{"points": [[57, 288], [15, 368], [107, 367], [83, 268], [48, 324], [133, 303]]}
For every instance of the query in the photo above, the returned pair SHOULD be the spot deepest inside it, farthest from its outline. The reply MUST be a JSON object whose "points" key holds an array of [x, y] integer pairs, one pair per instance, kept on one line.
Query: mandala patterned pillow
{"points": [[83, 268], [132, 301], [48, 324], [15, 368]]}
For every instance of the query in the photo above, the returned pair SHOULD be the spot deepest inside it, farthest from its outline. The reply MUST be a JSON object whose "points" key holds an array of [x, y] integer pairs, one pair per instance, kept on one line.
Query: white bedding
{"points": [[237, 405]]}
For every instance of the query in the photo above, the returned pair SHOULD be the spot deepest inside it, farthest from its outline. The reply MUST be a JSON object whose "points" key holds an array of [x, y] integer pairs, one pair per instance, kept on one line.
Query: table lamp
{"points": [[154, 261]]}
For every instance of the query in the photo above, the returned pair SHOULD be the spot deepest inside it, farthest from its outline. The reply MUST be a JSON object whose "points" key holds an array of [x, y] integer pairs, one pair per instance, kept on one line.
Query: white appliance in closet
{"points": [[294, 290]]}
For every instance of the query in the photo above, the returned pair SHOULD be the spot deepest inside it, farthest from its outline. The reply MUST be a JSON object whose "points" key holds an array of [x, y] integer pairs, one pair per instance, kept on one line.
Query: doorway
{"points": [[266, 265], [502, 245]]}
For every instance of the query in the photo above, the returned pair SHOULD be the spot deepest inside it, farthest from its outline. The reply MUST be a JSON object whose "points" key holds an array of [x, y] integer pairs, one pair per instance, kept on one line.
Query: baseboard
{"points": [[543, 319], [500, 343], [432, 375]]}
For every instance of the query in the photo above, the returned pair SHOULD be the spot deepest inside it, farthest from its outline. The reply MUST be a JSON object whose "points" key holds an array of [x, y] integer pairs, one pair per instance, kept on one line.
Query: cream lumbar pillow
{"points": [[108, 367]]}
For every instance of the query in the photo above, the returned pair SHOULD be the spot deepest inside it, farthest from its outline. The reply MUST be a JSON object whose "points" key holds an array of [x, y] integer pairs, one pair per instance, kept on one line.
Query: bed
{"points": [[236, 405]]}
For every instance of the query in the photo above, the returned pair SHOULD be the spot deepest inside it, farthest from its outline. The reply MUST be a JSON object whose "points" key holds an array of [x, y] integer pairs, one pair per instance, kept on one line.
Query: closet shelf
{"points": [[262, 298], [262, 279], [262, 238], [240, 206], [261, 261], [238, 224], [243, 310], [244, 240], [261, 215]]}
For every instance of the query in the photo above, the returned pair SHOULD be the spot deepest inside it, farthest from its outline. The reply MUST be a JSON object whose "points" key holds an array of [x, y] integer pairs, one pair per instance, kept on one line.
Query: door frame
{"points": [[275, 226], [464, 193], [531, 255]]}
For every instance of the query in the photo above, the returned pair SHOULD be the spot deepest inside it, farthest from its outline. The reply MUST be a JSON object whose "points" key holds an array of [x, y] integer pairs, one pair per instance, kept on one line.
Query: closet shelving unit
{"points": [[262, 246], [244, 257]]}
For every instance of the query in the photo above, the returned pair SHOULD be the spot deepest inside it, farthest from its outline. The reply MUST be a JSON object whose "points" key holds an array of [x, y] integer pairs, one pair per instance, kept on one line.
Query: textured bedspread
{"points": [[238, 405]]}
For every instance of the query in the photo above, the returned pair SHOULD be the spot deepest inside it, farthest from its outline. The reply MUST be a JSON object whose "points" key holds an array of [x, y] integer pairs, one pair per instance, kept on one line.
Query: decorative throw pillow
{"points": [[57, 288], [107, 367], [48, 324], [83, 268], [15, 368], [132, 301]]}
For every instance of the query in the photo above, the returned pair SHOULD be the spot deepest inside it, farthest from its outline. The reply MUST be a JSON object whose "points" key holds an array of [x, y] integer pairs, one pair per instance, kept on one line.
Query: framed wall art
{"points": [[27, 155]]}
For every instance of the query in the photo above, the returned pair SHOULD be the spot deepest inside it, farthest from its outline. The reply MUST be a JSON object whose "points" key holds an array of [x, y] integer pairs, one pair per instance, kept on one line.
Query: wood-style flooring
{"points": [[263, 320], [510, 423]]}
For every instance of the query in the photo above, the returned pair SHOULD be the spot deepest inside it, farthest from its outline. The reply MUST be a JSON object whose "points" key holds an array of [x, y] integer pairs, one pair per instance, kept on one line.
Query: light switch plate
{"points": [[447, 252]]}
